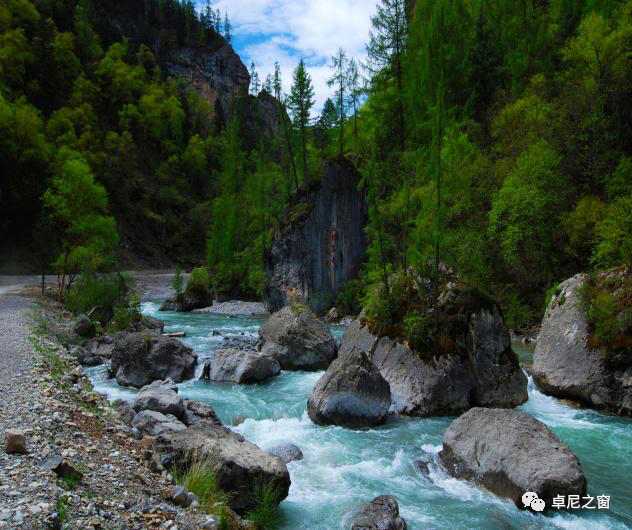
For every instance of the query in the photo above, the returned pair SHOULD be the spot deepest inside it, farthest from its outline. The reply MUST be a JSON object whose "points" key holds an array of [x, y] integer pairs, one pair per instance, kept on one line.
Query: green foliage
{"points": [[126, 316], [178, 283], [92, 290], [266, 514], [614, 235], [349, 298], [199, 477]]}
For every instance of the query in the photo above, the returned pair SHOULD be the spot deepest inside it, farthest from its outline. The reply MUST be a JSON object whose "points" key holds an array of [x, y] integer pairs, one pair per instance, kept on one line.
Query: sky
{"points": [[265, 31]]}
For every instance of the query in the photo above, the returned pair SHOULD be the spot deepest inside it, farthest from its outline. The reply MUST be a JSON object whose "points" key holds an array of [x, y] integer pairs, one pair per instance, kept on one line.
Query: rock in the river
{"points": [[240, 466], [190, 300], [296, 338], [160, 396], [382, 513], [287, 452], [321, 243], [510, 453], [15, 441], [84, 327], [198, 413], [479, 368], [141, 358], [351, 393], [241, 366], [154, 423], [567, 365]]}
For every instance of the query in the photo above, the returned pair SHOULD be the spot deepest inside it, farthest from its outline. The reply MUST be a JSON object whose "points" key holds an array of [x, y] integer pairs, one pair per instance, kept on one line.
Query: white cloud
{"points": [[286, 30]]}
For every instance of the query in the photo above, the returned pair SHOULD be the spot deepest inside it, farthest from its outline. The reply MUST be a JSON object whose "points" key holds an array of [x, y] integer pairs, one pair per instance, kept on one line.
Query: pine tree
{"points": [[276, 81], [340, 81], [227, 28], [300, 102], [277, 86], [255, 85], [386, 48], [267, 84], [326, 121], [355, 92]]}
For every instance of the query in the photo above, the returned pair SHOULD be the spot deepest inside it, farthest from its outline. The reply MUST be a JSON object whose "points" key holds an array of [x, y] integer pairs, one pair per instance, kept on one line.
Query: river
{"points": [[344, 468]]}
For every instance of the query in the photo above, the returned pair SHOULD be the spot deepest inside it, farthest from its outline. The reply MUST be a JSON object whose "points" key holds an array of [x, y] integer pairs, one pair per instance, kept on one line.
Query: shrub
{"points": [[199, 281], [266, 514], [106, 290], [177, 283], [126, 316], [349, 300]]}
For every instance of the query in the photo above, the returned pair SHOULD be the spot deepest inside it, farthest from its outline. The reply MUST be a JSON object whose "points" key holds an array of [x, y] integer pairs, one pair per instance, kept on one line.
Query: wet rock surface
{"points": [[287, 452], [297, 339], [351, 393], [140, 358], [240, 366], [238, 464], [382, 513], [510, 453]]}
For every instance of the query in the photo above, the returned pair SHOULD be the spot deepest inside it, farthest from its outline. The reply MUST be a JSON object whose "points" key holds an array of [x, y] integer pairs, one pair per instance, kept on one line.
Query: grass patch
{"points": [[62, 510], [199, 478], [266, 514]]}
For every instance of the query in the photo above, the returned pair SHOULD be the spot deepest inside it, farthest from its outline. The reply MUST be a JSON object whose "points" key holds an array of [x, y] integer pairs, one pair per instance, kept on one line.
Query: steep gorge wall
{"points": [[322, 245]]}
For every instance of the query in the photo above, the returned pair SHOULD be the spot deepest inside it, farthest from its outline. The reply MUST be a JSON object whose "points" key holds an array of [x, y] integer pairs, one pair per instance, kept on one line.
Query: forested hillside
{"points": [[491, 136]]}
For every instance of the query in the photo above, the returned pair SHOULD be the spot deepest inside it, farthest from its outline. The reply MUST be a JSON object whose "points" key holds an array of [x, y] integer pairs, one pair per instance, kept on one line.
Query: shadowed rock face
{"points": [[510, 453], [321, 245], [218, 75], [382, 513]]}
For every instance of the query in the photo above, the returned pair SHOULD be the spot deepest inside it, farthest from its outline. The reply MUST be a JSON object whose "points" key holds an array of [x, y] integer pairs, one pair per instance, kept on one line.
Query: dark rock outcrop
{"points": [[241, 366], [510, 453], [480, 369], [566, 365], [382, 513], [189, 301], [321, 244], [141, 358], [238, 464], [84, 327], [351, 393], [297, 339]]}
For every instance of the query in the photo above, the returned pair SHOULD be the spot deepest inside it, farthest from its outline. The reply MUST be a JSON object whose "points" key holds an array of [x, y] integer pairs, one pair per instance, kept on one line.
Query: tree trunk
{"points": [[62, 284]]}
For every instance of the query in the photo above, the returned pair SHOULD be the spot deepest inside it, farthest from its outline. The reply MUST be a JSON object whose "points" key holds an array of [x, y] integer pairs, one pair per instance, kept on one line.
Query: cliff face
{"points": [[219, 75], [322, 245]]}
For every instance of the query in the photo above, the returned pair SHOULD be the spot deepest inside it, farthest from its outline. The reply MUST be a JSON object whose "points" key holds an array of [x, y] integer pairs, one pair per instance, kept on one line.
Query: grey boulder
{"points": [[351, 393], [287, 452], [198, 413], [481, 371], [510, 453], [154, 423], [296, 338], [241, 468], [382, 513], [160, 396], [565, 366], [141, 358], [241, 366]]}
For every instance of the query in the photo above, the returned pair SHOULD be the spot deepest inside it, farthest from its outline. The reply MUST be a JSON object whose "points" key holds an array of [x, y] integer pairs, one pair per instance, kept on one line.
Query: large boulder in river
{"points": [[296, 338], [141, 358], [351, 393], [569, 363], [321, 242], [240, 366], [472, 366], [153, 423], [160, 396], [382, 513], [510, 453], [190, 300], [241, 468]]}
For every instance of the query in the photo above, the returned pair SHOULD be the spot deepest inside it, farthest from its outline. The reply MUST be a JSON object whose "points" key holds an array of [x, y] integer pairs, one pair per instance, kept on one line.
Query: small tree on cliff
{"points": [[77, 206], [255, 84], [301, 100], [339, 80]]}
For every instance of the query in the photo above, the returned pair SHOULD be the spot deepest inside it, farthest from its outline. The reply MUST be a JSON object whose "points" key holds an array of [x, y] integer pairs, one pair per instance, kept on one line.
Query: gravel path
{"points": [[47, 396]]}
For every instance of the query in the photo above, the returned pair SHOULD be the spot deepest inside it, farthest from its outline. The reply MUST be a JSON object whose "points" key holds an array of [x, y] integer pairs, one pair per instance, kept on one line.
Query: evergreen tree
{"points": [[340, 81], [386, 48], [300, 102], [267, 84], [325, 123], [255, 84], [355, 93], [276, 81], [227, 28]]}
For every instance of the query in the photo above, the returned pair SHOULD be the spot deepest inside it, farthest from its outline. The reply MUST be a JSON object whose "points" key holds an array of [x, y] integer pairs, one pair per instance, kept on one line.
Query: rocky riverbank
{"points": [[82, 468]]}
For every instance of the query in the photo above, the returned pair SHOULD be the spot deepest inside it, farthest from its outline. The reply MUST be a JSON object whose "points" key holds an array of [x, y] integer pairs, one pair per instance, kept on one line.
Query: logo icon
{"points": [[531, 500]]}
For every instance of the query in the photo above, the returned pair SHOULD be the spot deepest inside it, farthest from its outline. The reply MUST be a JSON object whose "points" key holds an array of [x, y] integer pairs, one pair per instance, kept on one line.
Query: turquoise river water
{"points": [[344, 468]]}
